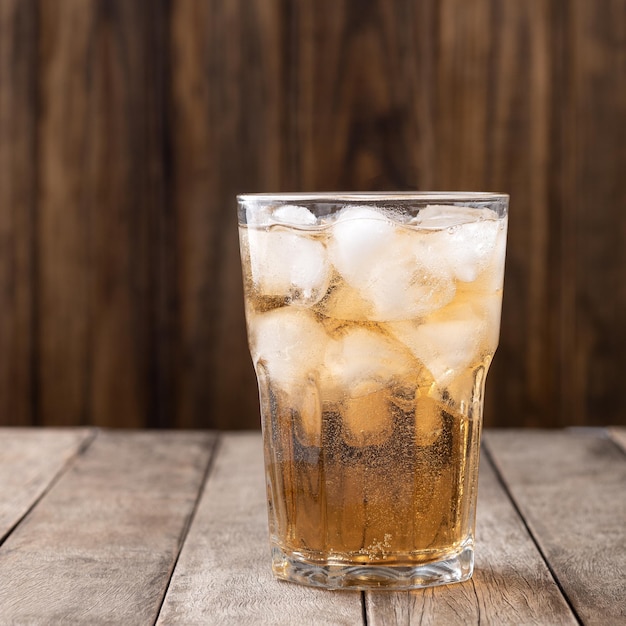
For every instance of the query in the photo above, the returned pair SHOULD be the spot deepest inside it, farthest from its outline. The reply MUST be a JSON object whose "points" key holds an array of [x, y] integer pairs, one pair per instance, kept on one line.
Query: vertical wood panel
{"points": [[64, 231], [18, 117], [193, 181], [521, 384], [595, 199], [356, 80], [226, 137], [100, 179], [464, 81]]}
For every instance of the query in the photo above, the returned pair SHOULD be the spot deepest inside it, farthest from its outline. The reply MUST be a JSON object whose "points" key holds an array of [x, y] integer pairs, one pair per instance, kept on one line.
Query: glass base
{"points": [[453, 569]]}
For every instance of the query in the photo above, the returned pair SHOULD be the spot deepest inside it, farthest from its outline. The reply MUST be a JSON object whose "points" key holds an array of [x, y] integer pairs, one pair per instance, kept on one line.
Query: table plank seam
{"points": [[190, 520], [364, 608], [500, 477], [91, 436]]}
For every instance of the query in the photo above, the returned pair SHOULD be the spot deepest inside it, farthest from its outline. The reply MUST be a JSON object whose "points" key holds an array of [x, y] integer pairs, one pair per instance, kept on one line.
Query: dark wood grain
{"points": [[225, 126], [359, 90], [224, 573], [127, 128], [593, 264], [101, 546], [569, 487], [517, 152], [100, 176], [18, 173]]}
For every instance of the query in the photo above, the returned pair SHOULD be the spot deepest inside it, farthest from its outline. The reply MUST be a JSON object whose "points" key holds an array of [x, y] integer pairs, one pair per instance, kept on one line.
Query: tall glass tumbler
{"points": [[372, 321]]}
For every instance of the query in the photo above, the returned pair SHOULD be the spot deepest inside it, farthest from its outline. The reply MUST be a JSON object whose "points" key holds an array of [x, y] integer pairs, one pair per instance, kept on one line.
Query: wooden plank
{"points": [[101, 192], [360, 92], [619, 436], [30, 460], [18, 119], [224, 575], [569, 486], [516, 147], [592, 109], [63, 270], [511, 582], [226, 138], [125, 188], [101, 546]]}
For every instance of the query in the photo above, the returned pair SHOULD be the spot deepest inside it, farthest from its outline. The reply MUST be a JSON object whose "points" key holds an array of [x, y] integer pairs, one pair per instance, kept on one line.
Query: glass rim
{"points": [[375, 196]]}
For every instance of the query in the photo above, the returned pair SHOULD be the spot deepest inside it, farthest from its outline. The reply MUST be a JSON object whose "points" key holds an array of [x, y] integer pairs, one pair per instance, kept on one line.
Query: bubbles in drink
{"points": [[373, 335]]}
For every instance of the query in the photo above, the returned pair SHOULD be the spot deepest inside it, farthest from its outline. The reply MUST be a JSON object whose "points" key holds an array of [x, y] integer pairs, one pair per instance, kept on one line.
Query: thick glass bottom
{"points": [[451, 569]]}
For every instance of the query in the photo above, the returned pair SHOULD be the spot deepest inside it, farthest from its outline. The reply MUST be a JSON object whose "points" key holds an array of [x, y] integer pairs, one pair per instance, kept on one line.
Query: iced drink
{"points": [[372, 321]]}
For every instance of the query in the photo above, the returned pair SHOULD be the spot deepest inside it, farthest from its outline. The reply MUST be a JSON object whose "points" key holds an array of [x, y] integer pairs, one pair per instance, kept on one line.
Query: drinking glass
{"points": [[372, 321]]}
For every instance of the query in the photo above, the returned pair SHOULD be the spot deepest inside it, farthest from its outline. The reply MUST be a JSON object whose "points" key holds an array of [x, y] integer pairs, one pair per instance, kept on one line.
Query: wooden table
{"points": [[170, 528]]}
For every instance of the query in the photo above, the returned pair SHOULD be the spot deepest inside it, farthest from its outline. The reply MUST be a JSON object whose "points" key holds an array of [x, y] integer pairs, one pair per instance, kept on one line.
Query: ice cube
{"points": [[358, 233], [428, 418], [367, 419], [471, 248], [466, 237], [494, 272], [491, 307], [344, 302], [393, 268], [306, 402], [363, 361], [289, 265], [294, 215], [441, 216], [445, 343], [458, 394], [409, 280], [290, 343]]}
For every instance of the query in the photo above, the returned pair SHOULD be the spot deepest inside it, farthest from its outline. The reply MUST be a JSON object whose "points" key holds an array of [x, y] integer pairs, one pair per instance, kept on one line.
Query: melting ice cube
{"points": [[367, 419], [428, 418], [288, 264], [447, 343], [471, 248], [358, 233], [363, 361], [294, 215], [411, 280], [360, 370], [307, 405], [464, 237], [395, 269], [440, 216], [290, 343]]}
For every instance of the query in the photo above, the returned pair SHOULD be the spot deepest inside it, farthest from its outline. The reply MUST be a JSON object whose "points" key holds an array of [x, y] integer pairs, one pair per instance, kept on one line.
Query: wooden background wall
{"points": [[127, 127]]}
